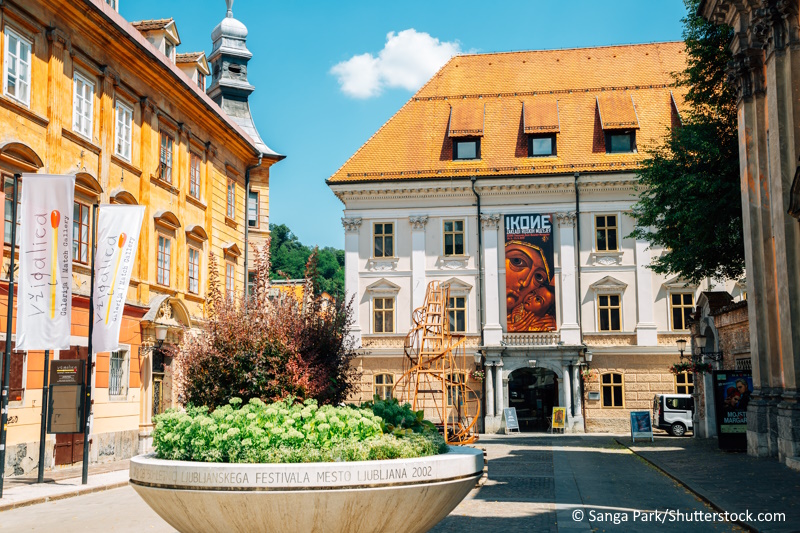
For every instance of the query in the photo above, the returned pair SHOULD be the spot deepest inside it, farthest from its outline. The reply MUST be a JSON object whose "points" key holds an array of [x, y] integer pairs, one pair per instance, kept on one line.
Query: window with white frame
{"points": [[383, 384], [383, 315], [194, 270], [163, 260], [230, 281], [118, 374], [17, 72], [124, 123], [82, 105]]}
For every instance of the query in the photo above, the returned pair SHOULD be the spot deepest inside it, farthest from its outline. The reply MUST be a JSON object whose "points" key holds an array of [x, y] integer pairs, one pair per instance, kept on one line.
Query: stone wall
{"points": [[643, 376], [23, 459]]}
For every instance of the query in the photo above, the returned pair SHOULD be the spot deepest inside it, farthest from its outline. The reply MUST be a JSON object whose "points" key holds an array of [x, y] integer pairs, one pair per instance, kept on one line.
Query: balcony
{"points": [[550, 338]]}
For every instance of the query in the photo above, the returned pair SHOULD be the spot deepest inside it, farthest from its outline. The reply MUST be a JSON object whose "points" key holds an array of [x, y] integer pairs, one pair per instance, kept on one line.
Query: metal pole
{"points": [[43, 429], [88, 407], [9, 325]]}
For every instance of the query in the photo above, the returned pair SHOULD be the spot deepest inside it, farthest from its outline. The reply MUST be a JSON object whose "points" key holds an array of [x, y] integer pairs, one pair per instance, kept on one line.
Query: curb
{"points": [[63, 496], [700, 496]]}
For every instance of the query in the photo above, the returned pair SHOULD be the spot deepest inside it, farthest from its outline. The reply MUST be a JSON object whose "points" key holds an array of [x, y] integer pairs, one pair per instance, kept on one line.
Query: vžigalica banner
{"points": [[530, 281], [44, 295], [118, 228]]}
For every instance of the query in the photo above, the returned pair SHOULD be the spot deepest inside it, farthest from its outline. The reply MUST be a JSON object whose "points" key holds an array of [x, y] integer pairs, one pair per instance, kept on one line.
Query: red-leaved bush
{"points": [[267, 346]]}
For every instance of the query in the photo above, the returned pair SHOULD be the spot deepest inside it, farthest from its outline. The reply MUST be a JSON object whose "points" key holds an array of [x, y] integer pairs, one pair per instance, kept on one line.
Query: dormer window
{"points": [[542, 145], [620, 141], [201, 81], [619, 120], [169, 48], [540, 120], [467, 148]]}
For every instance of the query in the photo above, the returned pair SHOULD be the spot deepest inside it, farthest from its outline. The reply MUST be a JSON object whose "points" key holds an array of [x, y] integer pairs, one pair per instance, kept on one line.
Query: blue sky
{"points": [[329, 74]]}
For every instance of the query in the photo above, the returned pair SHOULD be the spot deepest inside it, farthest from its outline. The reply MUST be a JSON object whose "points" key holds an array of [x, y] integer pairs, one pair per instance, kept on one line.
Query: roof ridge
{"points": [[542, 50], [170, 19]]}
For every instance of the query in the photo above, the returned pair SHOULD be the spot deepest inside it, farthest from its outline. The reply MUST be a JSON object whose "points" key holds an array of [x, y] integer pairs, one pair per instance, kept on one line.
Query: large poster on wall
{"points": [[530, 281], [732, 389]]}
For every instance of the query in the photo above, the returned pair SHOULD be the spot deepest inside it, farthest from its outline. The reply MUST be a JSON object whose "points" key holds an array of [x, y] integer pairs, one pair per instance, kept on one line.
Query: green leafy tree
{"points": [[689, 193], [289, 257]]}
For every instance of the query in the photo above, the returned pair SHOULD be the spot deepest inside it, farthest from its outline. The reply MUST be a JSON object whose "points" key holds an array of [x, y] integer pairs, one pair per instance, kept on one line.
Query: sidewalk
{"points": [[732, 482], [62, 483]]}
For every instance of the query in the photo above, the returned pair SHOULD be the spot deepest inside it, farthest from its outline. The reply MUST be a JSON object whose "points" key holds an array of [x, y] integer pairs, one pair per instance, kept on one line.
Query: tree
{"points": [[290, 256], [689, 192]]}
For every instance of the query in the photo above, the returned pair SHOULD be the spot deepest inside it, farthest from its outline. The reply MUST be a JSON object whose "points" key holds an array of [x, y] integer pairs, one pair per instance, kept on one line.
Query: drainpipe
{"points": [[580, 296], [480, 260], [246, 219]]}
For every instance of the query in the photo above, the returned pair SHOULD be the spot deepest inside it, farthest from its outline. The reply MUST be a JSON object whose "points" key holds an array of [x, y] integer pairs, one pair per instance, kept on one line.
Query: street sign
{"points": [[65, 408], [511, 419], [641, 426]]}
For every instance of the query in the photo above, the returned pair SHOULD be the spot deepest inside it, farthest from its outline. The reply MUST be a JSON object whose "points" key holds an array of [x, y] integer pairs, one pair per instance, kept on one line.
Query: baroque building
{"points": [[510, 177], [88, 93], [766, 72]]}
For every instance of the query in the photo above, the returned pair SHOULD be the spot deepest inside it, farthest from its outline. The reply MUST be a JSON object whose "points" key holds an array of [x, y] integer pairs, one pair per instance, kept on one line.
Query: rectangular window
{"points": [[541, 145], [194, 175], [608, 310], [251, 282], [620, 142], [168, 49], [118, 374], [17, 83], [467, 149], [252, 209], [383, 386], [194, 270], [681, 305], [82, 106], [231, 212], [606, 233], [383, 315], [201, 82], [163, 260], [684, 383], [8, 188], [454, 388], [453, 237], [457, 313], [230, 280], [384, 239], [165, 158], [15, 384], [124, 122], [80, 233], [611, 387]]}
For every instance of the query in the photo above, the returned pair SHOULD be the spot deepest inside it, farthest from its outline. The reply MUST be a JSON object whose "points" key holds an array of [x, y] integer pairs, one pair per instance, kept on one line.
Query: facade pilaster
{"points": [[149, 165], [646, 328], [56, 97], [492, 329], [570, 330], [110, 81], [351, 259], [418, 285]]}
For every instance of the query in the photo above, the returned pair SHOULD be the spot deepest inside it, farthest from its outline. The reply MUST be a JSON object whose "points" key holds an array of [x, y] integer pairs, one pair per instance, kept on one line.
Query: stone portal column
{"points": [[418, 284], [646, 328], [577, 400], [492, 330], [570, 331], [500, 384], [488, 368], [351, 259], [566, 393]]}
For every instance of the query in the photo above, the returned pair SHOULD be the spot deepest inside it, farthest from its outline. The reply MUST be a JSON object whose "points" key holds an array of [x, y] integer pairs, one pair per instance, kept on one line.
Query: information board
{"points": [[511, 419], [641, 425], [65, 408], [559, 417], [732, 389]]}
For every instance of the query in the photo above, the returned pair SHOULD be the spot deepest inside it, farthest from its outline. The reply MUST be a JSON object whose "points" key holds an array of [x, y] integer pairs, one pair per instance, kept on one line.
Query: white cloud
{"points": [[408, 60]]}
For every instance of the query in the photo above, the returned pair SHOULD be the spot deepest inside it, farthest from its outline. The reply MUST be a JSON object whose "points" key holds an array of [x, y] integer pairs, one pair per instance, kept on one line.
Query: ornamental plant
{"points": [[267, 347], [696, 368], [288, 432]]}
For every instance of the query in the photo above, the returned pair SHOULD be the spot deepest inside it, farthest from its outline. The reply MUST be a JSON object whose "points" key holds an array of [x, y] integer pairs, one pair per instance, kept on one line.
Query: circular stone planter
{"points": [[398, 495]]}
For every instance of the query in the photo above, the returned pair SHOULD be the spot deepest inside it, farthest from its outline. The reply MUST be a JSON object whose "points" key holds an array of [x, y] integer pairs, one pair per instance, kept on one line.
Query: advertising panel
{"points": [[530, 278], [732, 389]]}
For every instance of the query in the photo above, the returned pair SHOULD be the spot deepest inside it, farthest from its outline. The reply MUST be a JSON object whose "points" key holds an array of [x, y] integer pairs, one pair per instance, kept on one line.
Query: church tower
{"points": [[229, 86]]}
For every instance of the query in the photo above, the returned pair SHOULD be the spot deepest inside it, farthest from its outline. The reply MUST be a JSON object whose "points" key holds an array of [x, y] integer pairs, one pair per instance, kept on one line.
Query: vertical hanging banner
{"points": [[44, 295], [530, 278], [118, 228]]}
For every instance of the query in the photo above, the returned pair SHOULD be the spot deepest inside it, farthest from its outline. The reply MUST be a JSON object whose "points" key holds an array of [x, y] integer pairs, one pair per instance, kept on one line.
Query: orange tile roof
{"points": [[414, 143], [466, 118], [540, 115], [155, 24], [616, 110], [189, 57]]}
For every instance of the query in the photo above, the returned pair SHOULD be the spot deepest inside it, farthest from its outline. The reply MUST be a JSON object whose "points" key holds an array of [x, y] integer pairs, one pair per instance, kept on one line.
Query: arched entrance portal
{"points": [[533, 392]]}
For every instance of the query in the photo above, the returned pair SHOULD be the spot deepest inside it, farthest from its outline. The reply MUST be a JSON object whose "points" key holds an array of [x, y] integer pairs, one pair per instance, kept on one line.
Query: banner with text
{"points": [[44, 295], [530, 281], [118, 228]]}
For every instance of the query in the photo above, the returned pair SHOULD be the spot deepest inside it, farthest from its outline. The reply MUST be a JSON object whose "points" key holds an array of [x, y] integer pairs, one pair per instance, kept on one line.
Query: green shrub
{"points": [[399, 419], [287, 432]]}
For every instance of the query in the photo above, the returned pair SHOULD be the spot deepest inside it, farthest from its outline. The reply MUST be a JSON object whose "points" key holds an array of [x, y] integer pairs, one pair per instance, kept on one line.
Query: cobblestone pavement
{"points": [[535, 483]]}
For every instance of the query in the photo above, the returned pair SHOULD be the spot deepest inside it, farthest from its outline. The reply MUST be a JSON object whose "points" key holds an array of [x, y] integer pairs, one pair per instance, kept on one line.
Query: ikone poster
{"points": [[732, 389], [530, 283]]}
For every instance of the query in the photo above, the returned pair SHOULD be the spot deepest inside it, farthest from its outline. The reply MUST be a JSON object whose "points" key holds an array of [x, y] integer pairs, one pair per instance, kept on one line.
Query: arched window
{"points": [[383, 384], [611, 385]]}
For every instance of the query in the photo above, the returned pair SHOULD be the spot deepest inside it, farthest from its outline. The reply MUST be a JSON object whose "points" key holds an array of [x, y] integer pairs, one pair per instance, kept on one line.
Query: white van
{"points": [[673, 412]]}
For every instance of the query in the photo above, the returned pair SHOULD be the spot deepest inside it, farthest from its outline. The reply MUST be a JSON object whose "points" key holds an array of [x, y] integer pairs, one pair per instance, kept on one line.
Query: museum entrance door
{"points": [[533, 392]]}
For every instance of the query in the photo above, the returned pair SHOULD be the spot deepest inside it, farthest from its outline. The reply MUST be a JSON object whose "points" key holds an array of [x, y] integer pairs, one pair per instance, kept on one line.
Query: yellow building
{"points": [[88, 93]]}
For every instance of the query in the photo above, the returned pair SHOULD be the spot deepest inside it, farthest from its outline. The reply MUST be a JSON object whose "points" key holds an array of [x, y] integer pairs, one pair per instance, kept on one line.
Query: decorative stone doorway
{"points": [[533, 392]]}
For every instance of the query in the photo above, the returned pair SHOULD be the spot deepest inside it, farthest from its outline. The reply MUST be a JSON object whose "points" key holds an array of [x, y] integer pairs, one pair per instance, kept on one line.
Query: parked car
{"points": [[673, 412]]}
